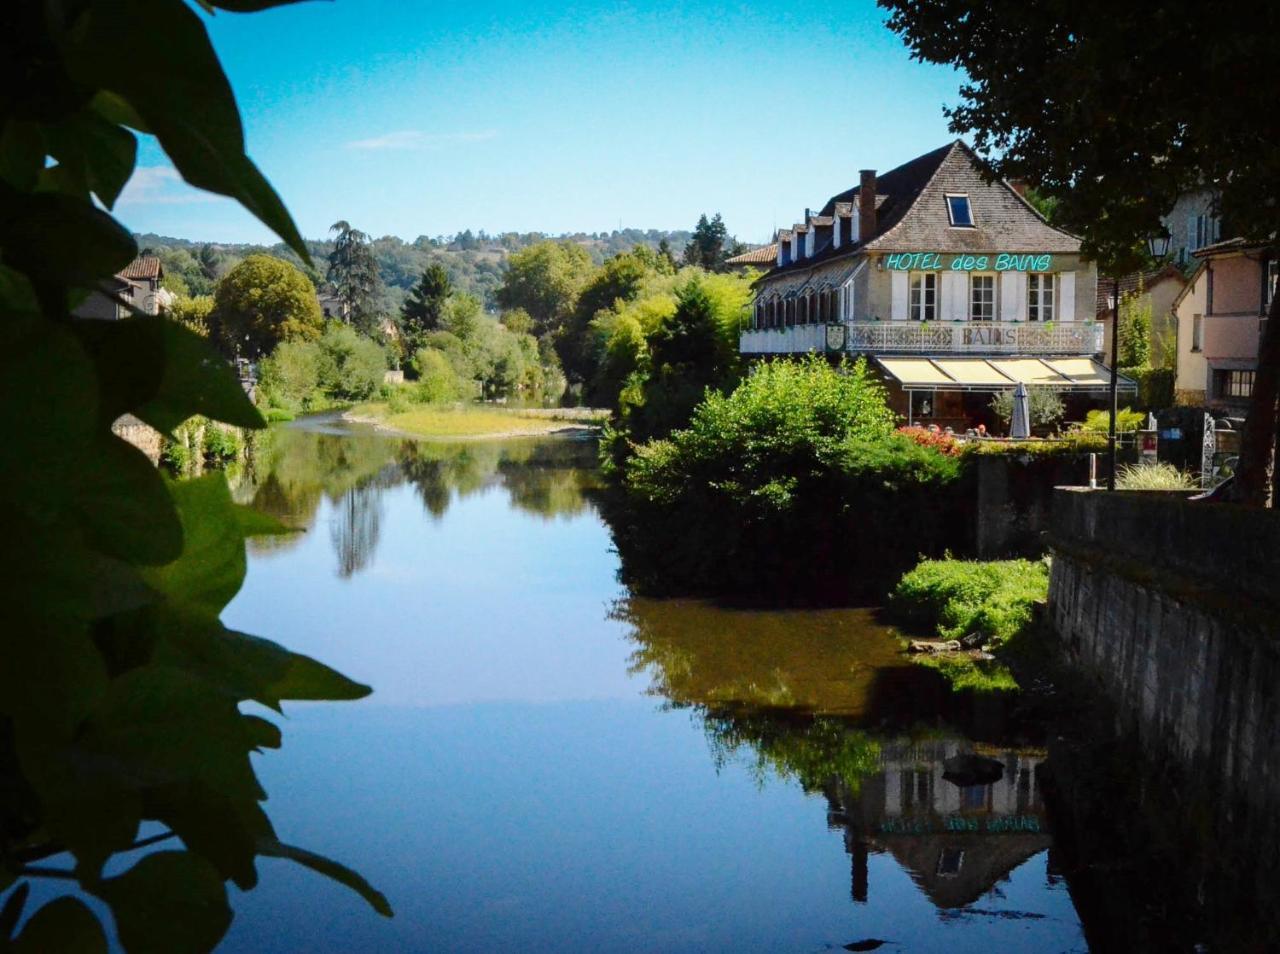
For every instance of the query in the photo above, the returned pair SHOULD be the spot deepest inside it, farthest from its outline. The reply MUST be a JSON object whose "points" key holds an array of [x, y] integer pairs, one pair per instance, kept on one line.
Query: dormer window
{"points": [[959, 212]]}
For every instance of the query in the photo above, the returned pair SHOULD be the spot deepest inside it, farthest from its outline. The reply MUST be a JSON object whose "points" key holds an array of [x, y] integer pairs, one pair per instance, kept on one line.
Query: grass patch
{"points": [[988, 604], [1154, 476], [461, 421]]}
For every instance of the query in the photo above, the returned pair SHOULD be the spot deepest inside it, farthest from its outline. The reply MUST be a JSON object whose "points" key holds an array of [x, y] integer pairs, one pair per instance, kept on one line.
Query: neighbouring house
{"points": [[953, 285], [762, 257], [1220, 317], [136, 285], [1192, 223], [1159, 288]]}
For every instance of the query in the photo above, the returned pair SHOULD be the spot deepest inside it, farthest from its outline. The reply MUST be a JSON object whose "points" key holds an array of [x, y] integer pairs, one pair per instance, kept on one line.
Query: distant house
{"points": [[763, 257], [1220, 317], [137, 285], [1160, 289], [331, 306]]}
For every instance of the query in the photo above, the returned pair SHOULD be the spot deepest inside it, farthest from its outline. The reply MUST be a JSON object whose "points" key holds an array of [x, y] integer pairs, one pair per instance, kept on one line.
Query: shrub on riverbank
{"points": [[795, 483], [991, 600], [341, 367], [988, 605]]}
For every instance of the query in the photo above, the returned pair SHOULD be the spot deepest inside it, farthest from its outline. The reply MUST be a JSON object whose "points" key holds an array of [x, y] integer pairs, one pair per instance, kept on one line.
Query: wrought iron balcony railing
{"points": [[933, 337]]}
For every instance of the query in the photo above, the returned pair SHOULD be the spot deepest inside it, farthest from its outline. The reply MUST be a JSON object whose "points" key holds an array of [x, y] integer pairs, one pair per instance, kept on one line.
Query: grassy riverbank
{"points": [[473, 422]]}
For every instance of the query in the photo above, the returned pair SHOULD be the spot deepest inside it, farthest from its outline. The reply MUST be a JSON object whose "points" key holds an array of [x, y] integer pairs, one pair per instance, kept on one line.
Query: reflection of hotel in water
{"points": [[957, 841]]}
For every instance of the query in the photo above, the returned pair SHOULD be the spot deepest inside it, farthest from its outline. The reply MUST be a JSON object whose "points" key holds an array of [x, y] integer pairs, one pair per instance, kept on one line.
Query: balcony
{"points": [[934, 338]]}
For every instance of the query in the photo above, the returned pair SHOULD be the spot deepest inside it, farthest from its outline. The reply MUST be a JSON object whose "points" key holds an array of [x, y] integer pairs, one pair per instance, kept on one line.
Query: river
{"points": [[548, 763]]}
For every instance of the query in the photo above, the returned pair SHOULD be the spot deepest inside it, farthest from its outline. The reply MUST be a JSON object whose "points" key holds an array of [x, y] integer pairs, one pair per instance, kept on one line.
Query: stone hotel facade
{"points": [[954, 286]]}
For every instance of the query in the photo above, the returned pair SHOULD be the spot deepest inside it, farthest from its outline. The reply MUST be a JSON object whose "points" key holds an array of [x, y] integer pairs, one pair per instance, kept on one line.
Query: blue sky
{"points": [[410, 118]]}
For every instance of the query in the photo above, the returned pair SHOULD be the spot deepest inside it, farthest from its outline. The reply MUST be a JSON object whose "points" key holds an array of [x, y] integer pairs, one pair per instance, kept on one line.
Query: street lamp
{"points": [[1158, 246]]}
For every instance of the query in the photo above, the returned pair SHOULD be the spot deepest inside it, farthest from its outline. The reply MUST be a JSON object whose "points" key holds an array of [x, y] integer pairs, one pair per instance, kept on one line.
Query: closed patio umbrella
{"points": [[1020, 423]]}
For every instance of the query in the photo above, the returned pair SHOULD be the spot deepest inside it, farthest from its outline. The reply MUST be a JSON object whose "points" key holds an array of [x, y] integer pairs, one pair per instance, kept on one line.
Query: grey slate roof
{"points": [[912, 212]]}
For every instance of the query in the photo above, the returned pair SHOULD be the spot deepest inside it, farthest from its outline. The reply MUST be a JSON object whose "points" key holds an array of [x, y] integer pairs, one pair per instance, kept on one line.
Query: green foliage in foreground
{"points": [[1154, 476], [120, 689], [993, 601], [769, 487]]}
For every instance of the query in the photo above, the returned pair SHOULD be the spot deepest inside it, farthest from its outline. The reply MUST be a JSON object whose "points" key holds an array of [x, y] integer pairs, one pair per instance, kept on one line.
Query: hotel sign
{"points": [[939, 262]]}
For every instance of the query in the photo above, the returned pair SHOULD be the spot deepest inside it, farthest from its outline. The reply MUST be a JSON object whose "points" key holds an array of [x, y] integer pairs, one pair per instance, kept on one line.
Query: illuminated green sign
{"points": [[937, 262]]}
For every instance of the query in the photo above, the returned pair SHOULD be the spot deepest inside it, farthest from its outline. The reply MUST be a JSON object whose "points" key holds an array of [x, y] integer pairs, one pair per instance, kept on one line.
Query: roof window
{"points": [[959, 212]]}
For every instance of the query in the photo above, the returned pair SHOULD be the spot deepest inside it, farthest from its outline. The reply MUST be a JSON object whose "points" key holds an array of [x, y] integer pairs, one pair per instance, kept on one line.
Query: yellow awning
{"points": [[915, 372], [1028, 371], [945, 373], [972, 372], [1084, 371]]}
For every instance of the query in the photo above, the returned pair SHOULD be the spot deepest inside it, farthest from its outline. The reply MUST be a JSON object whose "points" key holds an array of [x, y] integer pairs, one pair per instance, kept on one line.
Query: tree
{"points": [[195, 313], [1097, 104], [263, 301], [353, 272], [621, 278], [424, 308], [664, 253], [545, 280], [706, 247], [1135, 330]]}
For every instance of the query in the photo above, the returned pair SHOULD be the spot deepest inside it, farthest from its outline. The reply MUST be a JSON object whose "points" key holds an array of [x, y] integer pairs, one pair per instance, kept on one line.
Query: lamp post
{"points": [[1158, 246]]}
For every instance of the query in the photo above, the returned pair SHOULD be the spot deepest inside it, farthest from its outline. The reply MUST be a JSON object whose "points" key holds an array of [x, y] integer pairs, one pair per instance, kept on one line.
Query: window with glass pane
{"points": [[1197, 332], [924, 296], [959, 211], [1234, 384], [982, 297], [1269, 289], [1040, 300]]}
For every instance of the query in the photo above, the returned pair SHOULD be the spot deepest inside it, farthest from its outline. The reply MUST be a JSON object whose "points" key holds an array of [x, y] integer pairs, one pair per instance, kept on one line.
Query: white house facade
{"points": [[950, 283]]}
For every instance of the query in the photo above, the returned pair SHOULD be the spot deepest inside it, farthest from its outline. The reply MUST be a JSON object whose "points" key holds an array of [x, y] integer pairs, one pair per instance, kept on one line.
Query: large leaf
{"points": [[170, 902], [161, 725], [222, 830], [125, 506], [64, 925], [247, 667], [212, 565], [60, 239], [330, 869], [196, 380], [163, 373], [102, 153], [182, 94]]}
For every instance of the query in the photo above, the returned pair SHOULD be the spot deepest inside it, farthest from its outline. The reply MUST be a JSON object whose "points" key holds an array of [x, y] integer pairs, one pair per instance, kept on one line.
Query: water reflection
{"points": [[951, 787], [296, 467]]}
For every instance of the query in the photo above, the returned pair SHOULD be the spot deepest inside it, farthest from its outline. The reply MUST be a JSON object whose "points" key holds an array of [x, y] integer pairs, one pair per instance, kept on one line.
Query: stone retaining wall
{"points": [[1171, 606]]}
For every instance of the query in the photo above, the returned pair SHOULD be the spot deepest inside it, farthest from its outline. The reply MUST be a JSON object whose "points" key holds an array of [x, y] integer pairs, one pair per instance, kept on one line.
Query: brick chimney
{"points": [[866, 204], [1019, 186]]}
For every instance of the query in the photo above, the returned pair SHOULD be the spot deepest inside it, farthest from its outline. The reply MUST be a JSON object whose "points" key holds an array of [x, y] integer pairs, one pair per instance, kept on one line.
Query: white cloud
{"points": [[160, 185], [417, 139]]}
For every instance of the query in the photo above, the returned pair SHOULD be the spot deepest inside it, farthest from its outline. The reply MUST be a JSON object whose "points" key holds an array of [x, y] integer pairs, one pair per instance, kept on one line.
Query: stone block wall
{"points": [[1172, 607]]}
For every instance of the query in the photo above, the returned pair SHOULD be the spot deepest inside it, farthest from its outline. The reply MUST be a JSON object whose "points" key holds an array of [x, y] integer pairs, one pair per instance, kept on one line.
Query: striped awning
{"points": [[948, 373]]}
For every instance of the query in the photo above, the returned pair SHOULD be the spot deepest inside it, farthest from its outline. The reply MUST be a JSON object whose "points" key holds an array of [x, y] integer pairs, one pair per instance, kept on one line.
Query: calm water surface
{"points": [[550, 764]]}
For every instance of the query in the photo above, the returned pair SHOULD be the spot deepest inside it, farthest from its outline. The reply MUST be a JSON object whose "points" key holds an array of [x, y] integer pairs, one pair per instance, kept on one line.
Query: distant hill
{"points": [[475, 261]]}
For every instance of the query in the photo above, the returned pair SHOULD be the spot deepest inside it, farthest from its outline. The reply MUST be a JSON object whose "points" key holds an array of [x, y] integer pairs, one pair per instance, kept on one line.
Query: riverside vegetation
{"points": [[121, 690]]}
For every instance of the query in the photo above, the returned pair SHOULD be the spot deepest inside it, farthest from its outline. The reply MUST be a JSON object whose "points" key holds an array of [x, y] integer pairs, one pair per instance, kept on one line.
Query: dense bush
{"points": [[438, 380], [793, 484], [1154, 476], [994, 601], [342, 367], [1155, 385]]}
